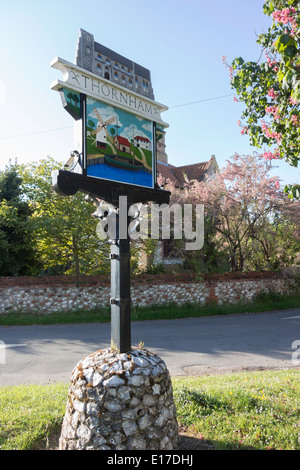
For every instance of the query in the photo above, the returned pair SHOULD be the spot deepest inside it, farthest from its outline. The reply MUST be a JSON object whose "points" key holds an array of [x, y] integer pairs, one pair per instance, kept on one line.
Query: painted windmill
{"points": [[102, 128]]}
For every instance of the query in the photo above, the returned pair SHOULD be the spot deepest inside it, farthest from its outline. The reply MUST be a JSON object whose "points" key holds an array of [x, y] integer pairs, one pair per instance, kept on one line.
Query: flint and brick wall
{"points": [[65, 293]]}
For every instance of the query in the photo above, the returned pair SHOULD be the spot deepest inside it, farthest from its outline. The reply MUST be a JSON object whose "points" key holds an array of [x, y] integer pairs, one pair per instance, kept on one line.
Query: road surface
{"points": [[190, 346]]}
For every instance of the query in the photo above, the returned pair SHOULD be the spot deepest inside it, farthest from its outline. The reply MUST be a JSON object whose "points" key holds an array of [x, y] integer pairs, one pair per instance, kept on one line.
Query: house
{"points": [[196, 171], [122, 144], [142, 142]]}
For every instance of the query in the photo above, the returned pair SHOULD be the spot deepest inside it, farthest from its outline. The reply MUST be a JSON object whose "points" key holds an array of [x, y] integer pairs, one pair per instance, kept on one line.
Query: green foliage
{"points": [[17, 251], [63, 228], [212, 258], [158, 268]]}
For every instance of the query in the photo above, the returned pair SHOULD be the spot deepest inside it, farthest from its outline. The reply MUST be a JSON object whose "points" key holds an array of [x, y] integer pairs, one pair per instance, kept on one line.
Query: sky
{"points": [[180, 41]]}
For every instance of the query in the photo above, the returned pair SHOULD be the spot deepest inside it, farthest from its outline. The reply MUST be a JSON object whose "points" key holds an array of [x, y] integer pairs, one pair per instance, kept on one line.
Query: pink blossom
{"points": [[272, 155], [235, 99], [272, 63], [285, 16], [268, 155], [273, 110], [271, 93], [270, 134]]}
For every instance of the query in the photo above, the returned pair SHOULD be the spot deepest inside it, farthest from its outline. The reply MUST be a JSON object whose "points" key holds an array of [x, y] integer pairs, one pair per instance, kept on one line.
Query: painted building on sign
{"points": [[142, 142], [122, 144]]}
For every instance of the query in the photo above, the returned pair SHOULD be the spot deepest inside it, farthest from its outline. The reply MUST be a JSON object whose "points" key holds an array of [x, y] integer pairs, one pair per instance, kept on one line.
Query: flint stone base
{"points": [[120, 402]]}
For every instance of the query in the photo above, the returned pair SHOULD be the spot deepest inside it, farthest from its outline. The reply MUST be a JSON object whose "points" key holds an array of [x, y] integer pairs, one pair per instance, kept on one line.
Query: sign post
{"points": [[120, 292], [117, 126]]}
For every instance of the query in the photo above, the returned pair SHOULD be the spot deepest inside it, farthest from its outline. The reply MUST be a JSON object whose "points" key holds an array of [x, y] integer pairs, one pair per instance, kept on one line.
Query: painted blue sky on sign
{"points": [[126, 124]]}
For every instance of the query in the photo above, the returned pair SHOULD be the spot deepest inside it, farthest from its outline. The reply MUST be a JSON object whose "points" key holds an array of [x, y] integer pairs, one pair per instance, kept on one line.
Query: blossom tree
{"points": [[243, 200], [270, 87]]}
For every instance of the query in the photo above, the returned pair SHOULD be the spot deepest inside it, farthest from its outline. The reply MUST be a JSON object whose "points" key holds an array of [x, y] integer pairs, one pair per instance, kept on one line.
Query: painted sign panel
{"points": [[71, 102], [117, 122], [119, 145]]}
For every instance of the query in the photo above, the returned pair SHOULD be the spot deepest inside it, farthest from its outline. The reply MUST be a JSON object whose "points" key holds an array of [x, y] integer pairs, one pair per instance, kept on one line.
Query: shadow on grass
{"points": [[189, 440]]}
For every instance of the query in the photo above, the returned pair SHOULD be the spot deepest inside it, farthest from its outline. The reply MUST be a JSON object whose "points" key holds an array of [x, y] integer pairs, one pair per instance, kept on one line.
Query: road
{"points": [[191, 346]]}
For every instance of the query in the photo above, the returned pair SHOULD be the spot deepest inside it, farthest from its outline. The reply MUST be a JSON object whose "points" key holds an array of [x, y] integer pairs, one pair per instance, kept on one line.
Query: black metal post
{"points": [[120, 292], [67, 183]]}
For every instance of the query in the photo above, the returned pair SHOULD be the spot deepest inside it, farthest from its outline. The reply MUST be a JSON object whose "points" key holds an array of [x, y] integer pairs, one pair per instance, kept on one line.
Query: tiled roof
{"points": [[166, 171], [191, 172], [122, 140], [178, 175], [144, 139]]}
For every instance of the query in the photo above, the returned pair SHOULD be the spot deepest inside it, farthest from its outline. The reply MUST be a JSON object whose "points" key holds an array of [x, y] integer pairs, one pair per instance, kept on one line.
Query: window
{"points": [[123, 79], [116, 76]]}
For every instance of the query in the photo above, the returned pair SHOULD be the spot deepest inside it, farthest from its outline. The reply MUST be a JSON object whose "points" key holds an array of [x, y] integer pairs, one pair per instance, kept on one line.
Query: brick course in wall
{"points": [[47, 294]]}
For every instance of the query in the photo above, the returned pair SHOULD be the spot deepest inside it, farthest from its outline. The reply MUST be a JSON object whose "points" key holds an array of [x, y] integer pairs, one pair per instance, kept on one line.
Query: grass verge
{"points": [[246, 411], [29, 414], [251, 411], [264, 302]]}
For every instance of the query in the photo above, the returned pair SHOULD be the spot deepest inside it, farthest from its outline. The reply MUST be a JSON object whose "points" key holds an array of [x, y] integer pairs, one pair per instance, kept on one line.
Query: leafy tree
{"points": [[276, 243], [17, 251], [270, 88], [63, 228], [75, 99]]}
